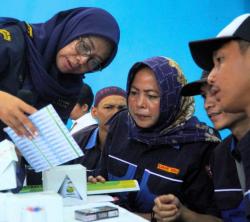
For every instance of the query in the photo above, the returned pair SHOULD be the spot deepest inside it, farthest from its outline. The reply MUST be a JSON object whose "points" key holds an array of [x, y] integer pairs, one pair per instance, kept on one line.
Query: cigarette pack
{"points": [[96, 213]]}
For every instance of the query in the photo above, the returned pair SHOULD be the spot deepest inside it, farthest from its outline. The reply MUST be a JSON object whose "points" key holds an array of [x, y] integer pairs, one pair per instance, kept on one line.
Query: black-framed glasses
{"points": [[84, 49]]}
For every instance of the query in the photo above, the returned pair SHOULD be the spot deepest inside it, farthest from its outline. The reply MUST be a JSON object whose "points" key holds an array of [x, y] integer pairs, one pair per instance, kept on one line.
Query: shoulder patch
{"points": [[5, 34], [168, 169], [29, 30]]}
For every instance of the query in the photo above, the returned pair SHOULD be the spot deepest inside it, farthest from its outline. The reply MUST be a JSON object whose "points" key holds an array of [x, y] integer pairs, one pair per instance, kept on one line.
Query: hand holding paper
{"points": [[53, 146]]}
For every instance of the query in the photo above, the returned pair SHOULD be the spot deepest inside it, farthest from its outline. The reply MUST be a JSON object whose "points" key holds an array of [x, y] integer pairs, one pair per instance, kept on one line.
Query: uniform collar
{"points": [[92, 140], [233, 148]]}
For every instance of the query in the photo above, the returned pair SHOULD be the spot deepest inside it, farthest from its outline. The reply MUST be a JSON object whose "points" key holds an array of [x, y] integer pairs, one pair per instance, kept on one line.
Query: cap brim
{"points": [[193, 88], [202, 51]]}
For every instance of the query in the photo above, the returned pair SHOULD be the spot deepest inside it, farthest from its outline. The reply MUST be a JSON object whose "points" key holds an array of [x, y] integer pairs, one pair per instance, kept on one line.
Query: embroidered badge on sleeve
{"points": [[5, 34]]}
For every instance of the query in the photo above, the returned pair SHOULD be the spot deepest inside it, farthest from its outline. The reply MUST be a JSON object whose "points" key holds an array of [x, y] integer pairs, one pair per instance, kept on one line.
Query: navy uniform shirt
{"points": [[227, 189], [161, 169], [244, 150]]}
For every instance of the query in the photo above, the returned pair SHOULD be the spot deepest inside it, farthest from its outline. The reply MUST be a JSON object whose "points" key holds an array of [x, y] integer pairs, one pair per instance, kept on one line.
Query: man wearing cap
{"points": [[91, 139], [228, 58], [227, 200], [80, 115], [220, 119]]}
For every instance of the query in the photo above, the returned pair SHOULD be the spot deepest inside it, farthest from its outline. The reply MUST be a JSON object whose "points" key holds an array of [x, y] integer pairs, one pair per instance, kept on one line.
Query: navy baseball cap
{"points": [[194, 88], [202, 50]]}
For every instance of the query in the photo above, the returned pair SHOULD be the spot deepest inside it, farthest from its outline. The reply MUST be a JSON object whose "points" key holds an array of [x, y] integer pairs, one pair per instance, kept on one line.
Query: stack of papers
{"points": [[53, 146], [112, 187], [97, 188]]}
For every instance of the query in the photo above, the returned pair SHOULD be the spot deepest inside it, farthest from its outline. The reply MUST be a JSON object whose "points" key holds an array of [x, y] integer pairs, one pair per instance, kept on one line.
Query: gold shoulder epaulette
{"points": [[29, 30], [5, 34]]}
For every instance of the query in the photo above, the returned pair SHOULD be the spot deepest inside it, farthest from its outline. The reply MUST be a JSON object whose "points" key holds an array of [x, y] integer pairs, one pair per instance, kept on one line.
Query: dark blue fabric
{"points": [[49, 37], [243, 147], [20, 177], [228, 192], [92, 141], [132, 159], [170, 80], [235, 214]]}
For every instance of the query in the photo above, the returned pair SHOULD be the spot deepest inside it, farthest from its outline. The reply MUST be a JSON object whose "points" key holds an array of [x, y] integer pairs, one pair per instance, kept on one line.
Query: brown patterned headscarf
{"points": [[176, 123]]}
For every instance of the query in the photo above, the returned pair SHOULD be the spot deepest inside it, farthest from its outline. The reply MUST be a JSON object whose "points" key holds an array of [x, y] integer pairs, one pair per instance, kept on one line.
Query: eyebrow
{"points": [[214, 54], [147, 90], [91, 42], [113, 105]]}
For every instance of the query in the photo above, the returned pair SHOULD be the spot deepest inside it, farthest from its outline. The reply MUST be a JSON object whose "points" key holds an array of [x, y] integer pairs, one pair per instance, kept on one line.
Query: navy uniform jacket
{"points": [[228, 192], [14, 77], [161, 169], [12, 65], [14, 74], [12, 71]]}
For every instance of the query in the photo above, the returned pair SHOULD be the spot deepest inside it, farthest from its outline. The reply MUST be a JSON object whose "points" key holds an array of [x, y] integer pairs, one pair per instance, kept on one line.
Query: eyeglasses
{"points": [[84, 49]]}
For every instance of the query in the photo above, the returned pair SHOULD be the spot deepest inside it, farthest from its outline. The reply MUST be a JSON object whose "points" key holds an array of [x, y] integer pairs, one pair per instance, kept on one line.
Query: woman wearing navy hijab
{"points": [[158, 141], [44, 63]]}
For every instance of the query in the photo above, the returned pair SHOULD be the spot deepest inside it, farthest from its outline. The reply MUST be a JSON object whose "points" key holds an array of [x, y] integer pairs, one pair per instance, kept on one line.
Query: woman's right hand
{"points": [[93, 179], [167, 208], [14, 111]]}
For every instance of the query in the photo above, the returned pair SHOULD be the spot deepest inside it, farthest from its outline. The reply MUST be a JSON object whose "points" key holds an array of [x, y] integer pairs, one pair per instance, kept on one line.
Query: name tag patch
{"points": [[168, 169]]}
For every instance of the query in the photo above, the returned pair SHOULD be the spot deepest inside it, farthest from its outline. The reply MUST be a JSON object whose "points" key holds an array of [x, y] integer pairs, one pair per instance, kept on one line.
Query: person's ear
{"points": [[94, 112], [85, 108]]}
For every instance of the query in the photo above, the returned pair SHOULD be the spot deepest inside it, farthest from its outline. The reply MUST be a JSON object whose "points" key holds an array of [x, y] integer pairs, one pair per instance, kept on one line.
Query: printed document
{"points": [[53, 146]]}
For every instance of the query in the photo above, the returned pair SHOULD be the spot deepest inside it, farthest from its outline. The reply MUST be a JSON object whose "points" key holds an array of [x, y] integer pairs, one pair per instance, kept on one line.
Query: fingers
{"points": [[164, 199], [25, 125], [165, 219], [26, 108], [92, 179], [14, 111], [100, 179], [169, 212], [165, 208], [21, 124]]}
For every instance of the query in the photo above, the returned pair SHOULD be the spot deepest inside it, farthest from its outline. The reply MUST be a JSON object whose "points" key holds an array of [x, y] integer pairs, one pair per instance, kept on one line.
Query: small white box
{"points": [[55, 178], [8, 159]]}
